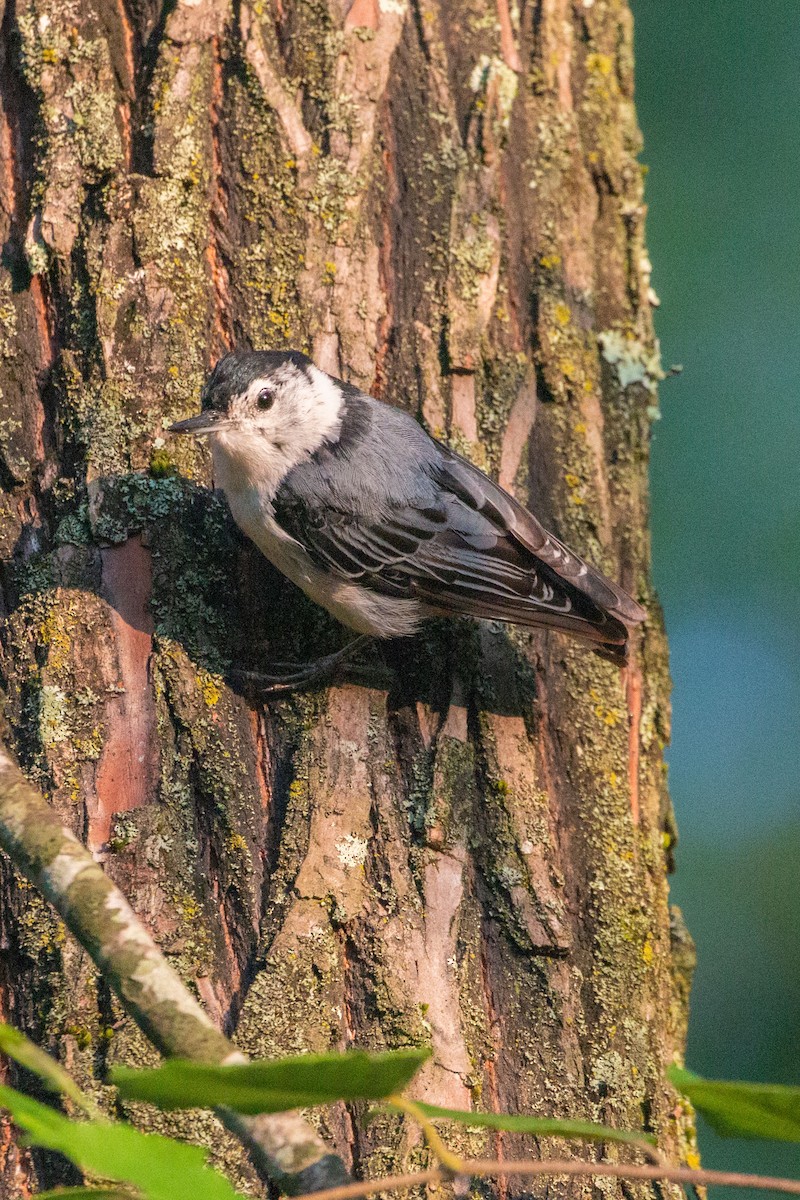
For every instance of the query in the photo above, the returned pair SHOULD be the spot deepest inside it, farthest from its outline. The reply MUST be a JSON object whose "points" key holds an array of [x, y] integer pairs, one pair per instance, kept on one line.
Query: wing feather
{"points": [[478, 492], [464, 546]]}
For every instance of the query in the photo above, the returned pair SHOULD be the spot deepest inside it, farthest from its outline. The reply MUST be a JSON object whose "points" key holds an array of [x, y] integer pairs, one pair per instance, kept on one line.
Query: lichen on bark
{"points": [[443, 204]]}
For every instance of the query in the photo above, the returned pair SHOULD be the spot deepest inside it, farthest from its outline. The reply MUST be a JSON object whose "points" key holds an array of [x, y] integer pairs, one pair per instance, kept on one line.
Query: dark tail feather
{"points": [[618, 655]]}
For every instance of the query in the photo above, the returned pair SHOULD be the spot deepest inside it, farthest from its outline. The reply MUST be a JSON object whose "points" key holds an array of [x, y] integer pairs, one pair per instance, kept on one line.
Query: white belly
{"points": [[357, 607]]}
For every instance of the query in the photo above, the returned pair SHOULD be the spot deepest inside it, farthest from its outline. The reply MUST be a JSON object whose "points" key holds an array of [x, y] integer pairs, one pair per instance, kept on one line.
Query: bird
{"points": [[380, 523]]}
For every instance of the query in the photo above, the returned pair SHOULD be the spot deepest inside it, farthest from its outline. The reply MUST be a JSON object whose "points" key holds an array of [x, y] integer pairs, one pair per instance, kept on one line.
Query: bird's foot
{"points": [[293, 677]]}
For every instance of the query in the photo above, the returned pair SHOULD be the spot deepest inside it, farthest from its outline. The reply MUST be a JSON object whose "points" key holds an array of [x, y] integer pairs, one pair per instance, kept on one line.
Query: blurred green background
{"points": [[718, 94]]}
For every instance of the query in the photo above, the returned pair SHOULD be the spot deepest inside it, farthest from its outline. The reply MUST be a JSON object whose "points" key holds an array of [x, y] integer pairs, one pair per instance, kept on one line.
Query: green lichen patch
{"points": [[301, 975], [65, 60], [452, 789], [57, 716], [503, 374], [266, 265]]}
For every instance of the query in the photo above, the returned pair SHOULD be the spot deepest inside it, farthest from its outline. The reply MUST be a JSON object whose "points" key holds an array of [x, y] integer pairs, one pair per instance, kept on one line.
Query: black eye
{"points": [[266, 398]]}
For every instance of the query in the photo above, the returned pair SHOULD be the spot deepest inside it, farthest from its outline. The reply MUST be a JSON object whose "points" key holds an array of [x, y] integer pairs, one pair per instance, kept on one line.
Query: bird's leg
{"points": [[289, 677]]}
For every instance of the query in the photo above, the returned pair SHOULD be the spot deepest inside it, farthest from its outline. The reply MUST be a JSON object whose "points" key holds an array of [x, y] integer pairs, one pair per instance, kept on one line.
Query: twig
{"points": [[451, 1162], [483, 1167], [281, 1145]]}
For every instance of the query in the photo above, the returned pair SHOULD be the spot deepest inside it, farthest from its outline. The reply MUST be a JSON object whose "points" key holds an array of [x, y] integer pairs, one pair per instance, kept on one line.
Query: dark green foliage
{"points": [[160, 1168]]}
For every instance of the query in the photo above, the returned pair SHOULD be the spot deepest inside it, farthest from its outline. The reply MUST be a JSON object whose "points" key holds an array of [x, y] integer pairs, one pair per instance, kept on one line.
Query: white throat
{"points": [[252, 458]]}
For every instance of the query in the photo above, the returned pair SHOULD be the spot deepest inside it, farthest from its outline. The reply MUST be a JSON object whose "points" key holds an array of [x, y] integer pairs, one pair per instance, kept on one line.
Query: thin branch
{"points": [[492, 1167], [451, 1162], [281, 1145]]}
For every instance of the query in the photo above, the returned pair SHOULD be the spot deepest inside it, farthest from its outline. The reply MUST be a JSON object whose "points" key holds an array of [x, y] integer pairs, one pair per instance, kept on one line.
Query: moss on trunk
{"points": [[443, 204]]}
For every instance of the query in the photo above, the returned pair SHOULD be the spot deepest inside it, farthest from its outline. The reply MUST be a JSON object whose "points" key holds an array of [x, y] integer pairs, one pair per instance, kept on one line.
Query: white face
{"points": [[279, 421], [291, 408]]}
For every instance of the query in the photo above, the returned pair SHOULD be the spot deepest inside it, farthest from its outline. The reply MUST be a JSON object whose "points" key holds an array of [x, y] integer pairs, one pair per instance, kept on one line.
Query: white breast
{"points": [[357, 607]]}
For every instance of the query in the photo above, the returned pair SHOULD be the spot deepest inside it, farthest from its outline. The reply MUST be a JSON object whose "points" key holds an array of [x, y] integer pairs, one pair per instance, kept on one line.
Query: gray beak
{"points": [[204, 422]]}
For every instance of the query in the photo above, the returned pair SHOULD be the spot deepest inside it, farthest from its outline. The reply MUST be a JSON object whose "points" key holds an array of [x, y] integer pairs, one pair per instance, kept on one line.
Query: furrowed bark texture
{"points": [[282, 1146], [440, 202]]}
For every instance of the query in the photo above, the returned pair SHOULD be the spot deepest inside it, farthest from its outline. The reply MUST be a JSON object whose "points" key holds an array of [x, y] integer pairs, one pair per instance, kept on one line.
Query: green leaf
{"points": [[745, 1110], [544, 1126], [160, 1168], [52, 1074], [302, 1081]]}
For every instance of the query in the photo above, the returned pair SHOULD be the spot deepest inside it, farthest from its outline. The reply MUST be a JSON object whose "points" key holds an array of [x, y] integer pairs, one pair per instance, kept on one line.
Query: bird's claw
{"points": [[290, 677]]}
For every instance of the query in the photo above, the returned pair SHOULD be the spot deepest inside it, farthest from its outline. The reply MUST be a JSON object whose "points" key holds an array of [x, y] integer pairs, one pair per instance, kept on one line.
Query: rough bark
{"points": [[440, 202], [282, 1146]]}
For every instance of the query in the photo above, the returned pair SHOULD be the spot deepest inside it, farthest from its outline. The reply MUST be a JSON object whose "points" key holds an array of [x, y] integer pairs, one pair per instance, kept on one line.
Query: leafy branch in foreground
{"points": [[743, 1110], [160, 1168], [153, 1167], [316, 1079]]}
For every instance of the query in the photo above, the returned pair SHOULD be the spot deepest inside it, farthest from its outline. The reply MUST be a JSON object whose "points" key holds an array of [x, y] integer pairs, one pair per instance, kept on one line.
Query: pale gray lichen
{"points": [[493, 69], [53, 715], [352, 850], [633, 362]]}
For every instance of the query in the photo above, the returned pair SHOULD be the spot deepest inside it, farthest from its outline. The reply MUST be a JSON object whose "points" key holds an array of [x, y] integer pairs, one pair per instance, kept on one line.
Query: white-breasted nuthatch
{"points": [[378, 522]]}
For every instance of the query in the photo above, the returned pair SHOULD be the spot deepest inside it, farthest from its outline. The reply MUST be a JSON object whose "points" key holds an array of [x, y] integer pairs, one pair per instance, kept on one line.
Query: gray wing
{"points": [[481, 495], [461, 546]]}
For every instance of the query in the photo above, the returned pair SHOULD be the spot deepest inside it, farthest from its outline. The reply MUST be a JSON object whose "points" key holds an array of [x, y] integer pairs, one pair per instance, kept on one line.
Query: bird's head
{"points": [[266, 410]]}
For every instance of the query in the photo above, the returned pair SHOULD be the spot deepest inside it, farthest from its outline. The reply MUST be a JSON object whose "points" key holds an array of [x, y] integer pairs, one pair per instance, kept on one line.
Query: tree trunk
{"points": [[440, 202]]}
